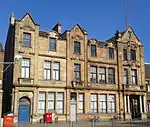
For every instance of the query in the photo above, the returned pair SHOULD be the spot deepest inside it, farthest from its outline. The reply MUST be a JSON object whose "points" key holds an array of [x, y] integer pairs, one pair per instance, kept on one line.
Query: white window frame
{"points": [[93, 103], [41, 101], [81, 103], [25, 71]]}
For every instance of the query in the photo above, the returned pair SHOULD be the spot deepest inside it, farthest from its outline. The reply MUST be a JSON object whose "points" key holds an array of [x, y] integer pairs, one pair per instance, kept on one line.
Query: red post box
{"points": [[8, 121], [48, 117]]}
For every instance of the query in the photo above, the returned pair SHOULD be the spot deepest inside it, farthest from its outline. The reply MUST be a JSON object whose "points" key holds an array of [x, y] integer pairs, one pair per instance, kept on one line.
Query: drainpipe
{"points": [[118, 80]]}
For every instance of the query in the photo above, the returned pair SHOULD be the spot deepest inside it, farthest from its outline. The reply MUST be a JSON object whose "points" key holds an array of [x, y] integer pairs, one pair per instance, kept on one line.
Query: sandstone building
{"points": [[1, 75], [147, 82], [104, 78]]}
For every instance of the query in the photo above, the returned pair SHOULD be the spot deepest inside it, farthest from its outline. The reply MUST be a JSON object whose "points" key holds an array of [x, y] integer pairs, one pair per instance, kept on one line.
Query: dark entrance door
{"points": [[135, 107], [24, 111]]}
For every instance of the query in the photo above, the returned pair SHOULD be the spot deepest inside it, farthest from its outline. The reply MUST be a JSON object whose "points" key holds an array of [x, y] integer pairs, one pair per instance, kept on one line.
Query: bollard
{"points": [[93, 124], [112, 122], [70, 124]]}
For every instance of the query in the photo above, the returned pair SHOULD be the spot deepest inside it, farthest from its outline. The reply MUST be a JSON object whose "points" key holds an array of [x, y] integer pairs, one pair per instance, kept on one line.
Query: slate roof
{"points": [[43, 33], [147, 70], [113, 39]]}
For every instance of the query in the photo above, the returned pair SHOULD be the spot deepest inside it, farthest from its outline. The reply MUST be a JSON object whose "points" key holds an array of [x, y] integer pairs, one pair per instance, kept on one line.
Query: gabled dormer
{"points": [[28, 32], [129, 36]]}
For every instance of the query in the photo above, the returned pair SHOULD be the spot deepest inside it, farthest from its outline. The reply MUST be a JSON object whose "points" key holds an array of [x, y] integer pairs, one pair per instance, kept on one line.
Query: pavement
{"points": [[108, 123]]}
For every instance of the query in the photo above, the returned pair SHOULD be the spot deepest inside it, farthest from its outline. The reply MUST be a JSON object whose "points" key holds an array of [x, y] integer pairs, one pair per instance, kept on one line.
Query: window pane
{"points": [[27, 39], [60, 102], [77, 72], [52, 44], [111, 103], [93, 103], [125, 76], [81, 103], [111, 75], [47, 64], [41, 103], [56, 71], [134, 76], [47, 70], [103, 103], [102, 75], [51, 96], [133, 54], [93, 50], [76, 47], [51, 106], [125, 54], [60, 96], [111, 53], [93, 74], [25, 68]]}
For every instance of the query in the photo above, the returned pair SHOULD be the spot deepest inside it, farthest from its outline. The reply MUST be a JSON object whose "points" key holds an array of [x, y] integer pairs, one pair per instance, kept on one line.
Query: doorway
{"points": [[135, 107], [24, 110]]}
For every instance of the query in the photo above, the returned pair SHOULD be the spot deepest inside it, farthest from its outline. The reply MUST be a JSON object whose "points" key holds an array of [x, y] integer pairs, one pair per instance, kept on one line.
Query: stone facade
{"points": [[147, 82], [80, 79], [1, 75]]}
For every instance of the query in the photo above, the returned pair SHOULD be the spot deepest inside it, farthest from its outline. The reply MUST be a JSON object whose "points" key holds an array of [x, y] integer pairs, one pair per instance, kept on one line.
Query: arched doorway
{"points": [[24, 110]]}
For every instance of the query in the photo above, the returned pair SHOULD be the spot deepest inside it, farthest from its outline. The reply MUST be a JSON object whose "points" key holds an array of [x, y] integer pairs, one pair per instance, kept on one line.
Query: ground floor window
{"points": [[93, 103], [41, 103], [103, 103], [107, 103], [55, 102], [148, 107], [81, 103], [111, 104]]}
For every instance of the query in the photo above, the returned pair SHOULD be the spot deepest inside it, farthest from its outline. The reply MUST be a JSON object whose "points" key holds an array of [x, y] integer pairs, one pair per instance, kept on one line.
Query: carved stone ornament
{"points": [[76, 29], [78, 37], [27, 28]]}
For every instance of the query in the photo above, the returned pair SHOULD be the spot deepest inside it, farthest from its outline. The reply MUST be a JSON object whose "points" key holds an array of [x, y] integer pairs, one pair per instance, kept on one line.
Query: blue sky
{"points": [[101, 18]]}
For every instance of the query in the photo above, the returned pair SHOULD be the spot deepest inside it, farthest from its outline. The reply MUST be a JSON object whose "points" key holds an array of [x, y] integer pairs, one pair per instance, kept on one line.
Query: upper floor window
{"points": [[47, 70], [102, 75], [93, 50], [125, 76], [111, 53], [27, 39], [51, 70], [52, 44], [56, 71], [93, 74], [77, 47], [25, 68], [111, 75], [134, 76], [133, 54], [77, 75], [125, 56]]}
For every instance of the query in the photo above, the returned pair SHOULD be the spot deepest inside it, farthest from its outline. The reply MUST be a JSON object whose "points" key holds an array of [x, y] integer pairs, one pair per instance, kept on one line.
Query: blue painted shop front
{"points": [[24, 110]]}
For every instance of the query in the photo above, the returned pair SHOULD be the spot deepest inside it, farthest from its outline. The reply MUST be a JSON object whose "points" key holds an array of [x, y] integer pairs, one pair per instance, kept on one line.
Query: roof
{"points": [[147, 70], [30, 18], [113, 39], [43, 33]]}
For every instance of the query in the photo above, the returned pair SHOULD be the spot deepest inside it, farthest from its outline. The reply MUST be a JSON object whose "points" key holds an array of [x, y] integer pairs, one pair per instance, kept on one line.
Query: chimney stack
{"points": [[57, 28], [12, 19]]}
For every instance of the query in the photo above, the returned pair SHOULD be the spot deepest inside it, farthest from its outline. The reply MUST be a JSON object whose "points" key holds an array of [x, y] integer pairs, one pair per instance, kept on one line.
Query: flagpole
{"points": [[126, 13]]}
